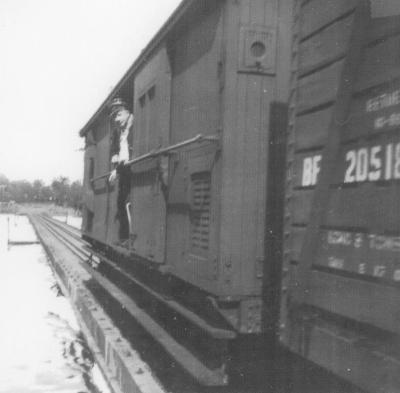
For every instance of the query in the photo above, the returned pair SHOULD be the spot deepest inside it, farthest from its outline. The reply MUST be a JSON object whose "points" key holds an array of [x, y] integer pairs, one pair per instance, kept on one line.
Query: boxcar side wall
{"points": [[314, 82], [256, 75], [152, 86], [339, 306], [194, 175]]}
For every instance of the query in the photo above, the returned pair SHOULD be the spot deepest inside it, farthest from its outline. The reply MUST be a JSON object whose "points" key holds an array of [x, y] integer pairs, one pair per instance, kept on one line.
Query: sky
{"points": [[59, 61]]}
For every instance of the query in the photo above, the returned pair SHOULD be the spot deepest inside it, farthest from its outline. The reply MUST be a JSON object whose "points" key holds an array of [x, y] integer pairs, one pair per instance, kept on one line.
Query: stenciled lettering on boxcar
{"points": [[382, 101], [311, 168], [379, 162], [374, 111], [389, 101], [369, 153], [372, 115], [376, 163], [364, 254]]}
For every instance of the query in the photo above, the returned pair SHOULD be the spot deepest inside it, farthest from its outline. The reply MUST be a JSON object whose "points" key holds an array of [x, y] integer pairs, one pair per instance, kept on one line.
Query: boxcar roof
{"points": [[167, 27]]}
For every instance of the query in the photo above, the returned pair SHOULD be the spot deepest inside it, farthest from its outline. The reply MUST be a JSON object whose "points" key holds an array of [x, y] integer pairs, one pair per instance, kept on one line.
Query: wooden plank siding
{"points": [[247, 99], [156, 73], [318, 88], [373, 70], [363, 301], [195, 109], [317, 14], [194, 90], [311, 129], [326, 47]]}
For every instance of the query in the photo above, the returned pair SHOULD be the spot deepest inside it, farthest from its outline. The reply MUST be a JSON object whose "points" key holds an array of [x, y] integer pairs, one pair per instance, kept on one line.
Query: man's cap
{"points": [[116, 104]]}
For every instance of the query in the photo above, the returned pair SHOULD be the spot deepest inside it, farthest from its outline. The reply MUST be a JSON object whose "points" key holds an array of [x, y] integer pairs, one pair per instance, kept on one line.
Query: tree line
{"points": [[61, 191]]}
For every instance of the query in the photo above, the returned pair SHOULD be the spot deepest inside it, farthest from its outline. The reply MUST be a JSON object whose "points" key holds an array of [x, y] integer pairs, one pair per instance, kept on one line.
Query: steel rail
{"points": [[74, 232], [77, 250]]}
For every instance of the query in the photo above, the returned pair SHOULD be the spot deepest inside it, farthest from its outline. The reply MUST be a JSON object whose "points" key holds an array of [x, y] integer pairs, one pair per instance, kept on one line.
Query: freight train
{"points": [[264, 177]]}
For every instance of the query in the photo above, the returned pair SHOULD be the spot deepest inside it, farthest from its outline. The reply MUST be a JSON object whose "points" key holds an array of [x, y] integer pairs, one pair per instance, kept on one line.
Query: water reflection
{"points": [[42, 349]]}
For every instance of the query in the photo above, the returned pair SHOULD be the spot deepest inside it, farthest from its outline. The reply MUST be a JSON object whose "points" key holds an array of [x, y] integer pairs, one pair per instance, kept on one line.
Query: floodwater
{"points": [[41, 347]]}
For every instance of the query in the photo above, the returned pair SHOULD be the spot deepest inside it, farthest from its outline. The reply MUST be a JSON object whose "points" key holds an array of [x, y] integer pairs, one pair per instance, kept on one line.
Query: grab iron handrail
{"points": [[165, 150]]}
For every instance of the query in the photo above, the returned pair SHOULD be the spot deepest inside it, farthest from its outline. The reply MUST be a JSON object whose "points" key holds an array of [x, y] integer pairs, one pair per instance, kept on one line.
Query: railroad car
{"points": [[340, 274], [210, 76], [264, 176]]}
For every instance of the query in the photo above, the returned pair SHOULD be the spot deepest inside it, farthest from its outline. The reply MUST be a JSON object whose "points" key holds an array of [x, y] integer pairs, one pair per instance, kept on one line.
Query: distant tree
{"points": [[4, 188], [37, 187], [4, 180], [60, 188], [21, 191], [75, 195], [47, 194], [61, 191]]}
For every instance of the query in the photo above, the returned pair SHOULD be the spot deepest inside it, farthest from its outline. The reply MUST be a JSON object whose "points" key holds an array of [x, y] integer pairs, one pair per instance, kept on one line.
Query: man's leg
{"points": [[123, 199]]}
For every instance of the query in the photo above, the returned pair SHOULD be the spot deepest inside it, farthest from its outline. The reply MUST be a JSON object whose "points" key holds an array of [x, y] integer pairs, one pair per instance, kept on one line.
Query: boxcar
{"points": [[214, 70], [339, 288], [285, 221]]}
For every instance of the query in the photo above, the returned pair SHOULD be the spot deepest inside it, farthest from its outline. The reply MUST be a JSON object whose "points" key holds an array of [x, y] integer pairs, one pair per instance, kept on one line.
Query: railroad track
{"points": [[114, 286], [174, 365]]}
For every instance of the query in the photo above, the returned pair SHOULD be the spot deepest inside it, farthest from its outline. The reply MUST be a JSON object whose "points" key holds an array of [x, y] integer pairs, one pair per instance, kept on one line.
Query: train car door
{"points": [[100, 184], [151, 131]]}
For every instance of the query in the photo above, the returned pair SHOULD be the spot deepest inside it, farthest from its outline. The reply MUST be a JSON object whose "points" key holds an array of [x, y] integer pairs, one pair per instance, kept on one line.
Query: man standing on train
{"points": [[122, 122]]}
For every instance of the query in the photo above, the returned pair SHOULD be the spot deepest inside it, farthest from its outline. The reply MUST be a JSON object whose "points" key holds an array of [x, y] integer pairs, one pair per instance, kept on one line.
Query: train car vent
{"points": [[201, 208], [257, 51]]}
